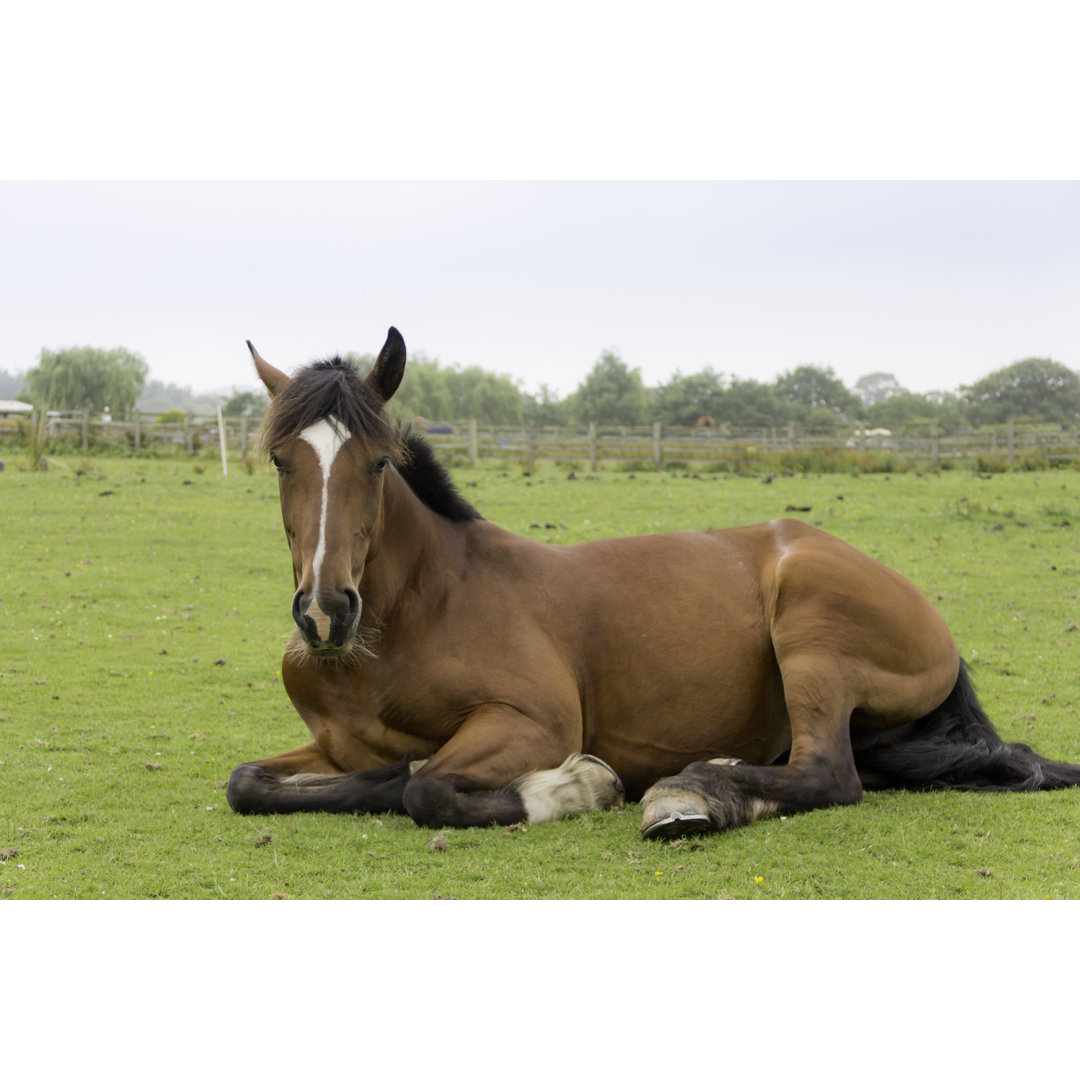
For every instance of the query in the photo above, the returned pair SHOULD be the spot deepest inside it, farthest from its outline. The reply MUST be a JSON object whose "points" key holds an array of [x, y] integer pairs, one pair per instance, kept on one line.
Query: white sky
{"points": [[936, 282], [523, 187]]}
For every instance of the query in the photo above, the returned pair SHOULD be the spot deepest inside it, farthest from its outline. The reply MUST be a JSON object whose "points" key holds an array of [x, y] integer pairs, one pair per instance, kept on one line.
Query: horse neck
{"points": [[413, 544]]}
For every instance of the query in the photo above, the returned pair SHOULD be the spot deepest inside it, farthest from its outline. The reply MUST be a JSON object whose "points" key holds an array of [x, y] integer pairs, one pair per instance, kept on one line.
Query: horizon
{"points": [[256, 386]]}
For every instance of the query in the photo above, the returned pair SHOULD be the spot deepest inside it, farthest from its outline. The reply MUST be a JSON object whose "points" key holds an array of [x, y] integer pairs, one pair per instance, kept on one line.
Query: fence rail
{"points": [[653, 446], [656, 446]]}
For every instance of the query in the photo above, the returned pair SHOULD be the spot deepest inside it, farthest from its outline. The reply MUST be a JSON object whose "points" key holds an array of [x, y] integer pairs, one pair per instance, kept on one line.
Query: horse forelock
{"points": [[335, 390], [332, 389]]}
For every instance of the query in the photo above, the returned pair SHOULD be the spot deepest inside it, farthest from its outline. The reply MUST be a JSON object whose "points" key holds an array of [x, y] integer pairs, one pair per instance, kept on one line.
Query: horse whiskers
{"points": [[362, 649]]}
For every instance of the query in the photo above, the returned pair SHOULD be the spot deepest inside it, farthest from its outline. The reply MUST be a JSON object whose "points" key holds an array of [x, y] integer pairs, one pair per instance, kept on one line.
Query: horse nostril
{"points": [[301, 602], [306, 624], [352, 599]]}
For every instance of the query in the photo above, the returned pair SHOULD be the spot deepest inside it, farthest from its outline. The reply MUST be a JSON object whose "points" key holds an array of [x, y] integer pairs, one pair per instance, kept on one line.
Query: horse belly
{"points": [[688, 679]]}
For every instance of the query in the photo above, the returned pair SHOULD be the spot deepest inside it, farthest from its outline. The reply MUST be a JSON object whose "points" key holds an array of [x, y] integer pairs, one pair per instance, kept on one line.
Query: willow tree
{"points": [[83, 377]]}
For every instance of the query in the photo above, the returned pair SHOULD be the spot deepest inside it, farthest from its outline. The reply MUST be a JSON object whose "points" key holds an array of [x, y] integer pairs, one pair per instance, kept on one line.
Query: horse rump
{"points": [[955, 747]]}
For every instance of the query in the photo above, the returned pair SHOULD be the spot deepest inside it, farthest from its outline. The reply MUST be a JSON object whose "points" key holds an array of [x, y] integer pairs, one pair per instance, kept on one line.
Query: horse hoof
{"points": [[620, 791], [676, 825], [673, 814]]}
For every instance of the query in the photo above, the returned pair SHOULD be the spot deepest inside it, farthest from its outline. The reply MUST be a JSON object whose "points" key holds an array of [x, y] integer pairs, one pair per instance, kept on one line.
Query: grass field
{"points": [[143, 610]]}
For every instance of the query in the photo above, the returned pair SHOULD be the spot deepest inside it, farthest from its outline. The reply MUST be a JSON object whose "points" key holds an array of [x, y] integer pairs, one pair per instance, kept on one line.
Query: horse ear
{"points": [[385, 377], [275, 381]]}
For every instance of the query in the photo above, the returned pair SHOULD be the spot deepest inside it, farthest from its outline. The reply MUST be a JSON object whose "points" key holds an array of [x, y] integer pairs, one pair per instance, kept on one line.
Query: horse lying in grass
{"points": [[464, 675]]}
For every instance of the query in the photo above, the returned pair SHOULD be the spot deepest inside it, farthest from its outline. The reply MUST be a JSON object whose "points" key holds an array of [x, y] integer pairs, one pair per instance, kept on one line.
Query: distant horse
{"points": [[467, 676]]}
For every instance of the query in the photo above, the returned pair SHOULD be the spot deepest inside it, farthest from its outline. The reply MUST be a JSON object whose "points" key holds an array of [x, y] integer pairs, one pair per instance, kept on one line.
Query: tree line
{"points": [[612, 393]]}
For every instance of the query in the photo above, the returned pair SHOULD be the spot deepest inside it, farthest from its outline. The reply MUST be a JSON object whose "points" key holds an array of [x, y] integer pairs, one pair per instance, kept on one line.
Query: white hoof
{"points": [[582, 782]]}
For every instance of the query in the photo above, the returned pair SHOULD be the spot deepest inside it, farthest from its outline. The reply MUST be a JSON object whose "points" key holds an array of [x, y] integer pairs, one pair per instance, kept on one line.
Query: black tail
{"points": [[955, 746]]}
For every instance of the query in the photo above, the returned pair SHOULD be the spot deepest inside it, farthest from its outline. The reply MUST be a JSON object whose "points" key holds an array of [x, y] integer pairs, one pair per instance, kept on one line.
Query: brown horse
{"points": [[468, 676]]}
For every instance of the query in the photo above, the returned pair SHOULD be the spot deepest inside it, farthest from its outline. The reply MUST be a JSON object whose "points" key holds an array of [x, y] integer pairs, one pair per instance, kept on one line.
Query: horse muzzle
{"points": [[327, 622]]}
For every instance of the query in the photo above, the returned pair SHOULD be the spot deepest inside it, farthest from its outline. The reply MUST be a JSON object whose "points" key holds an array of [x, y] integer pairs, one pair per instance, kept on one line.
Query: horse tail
{"points": [[956, 746]]}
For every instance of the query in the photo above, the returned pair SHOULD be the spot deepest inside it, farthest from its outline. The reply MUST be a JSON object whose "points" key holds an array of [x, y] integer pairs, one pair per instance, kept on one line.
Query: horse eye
{"points": [[380, 465], [276, 462]]}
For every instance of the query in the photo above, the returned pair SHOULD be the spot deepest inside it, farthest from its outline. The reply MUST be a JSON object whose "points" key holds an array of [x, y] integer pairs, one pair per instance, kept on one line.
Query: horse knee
{"points": [[427, 799], [436, 802]]}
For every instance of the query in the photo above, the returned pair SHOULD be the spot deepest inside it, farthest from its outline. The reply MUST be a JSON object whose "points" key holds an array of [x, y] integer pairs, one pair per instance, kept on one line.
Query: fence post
{"points": [[138, 429], [188, 442], [1010, 434], [935, 449], [243, 435], [592, 446], [657, 450], [474, 445], [791, 436], [85, 429], [530, 448], [862, 437]]}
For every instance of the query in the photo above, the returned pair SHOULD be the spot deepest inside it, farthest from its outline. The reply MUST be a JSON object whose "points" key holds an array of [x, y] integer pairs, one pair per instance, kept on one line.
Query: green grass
{"points": [[143, 610]]}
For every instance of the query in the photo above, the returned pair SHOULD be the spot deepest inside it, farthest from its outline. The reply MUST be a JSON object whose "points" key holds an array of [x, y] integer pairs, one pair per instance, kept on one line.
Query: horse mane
{"points": [[337, 388], [430, 481]]}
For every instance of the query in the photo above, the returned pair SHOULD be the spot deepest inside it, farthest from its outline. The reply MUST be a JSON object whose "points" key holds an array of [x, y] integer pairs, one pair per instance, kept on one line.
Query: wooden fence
{"points": [[585, 447], [657, 446]]}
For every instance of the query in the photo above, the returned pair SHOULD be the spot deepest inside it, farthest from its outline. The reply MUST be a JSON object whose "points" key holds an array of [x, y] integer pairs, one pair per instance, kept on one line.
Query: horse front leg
{"points": [[500, 768], [306, 780]]}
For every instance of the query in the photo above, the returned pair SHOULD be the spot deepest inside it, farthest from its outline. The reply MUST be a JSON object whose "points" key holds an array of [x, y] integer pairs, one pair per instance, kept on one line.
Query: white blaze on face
{"points": [[327, 438]]}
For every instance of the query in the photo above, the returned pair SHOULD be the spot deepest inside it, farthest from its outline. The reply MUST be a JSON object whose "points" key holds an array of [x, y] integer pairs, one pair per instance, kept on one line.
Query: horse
{"points": [[466, 676]]}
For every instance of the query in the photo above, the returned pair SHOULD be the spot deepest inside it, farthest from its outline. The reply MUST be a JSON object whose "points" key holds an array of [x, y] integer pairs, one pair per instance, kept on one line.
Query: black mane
{"points": [[337, 388], [430, 481]]}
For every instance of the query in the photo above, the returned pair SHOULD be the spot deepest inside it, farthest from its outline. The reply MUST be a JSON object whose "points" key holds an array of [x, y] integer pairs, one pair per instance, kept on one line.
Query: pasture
{"points": [[144, 606]]}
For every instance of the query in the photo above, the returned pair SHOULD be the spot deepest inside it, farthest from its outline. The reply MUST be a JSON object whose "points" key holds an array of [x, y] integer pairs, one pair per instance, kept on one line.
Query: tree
{"points": [[1034, 389], [434, 392], [612, 393], [481, 395], [243, 403], [877, 387], [685, 398], [906, 408], [83, 377], [810, 387], [545, 408], [749, 403]]}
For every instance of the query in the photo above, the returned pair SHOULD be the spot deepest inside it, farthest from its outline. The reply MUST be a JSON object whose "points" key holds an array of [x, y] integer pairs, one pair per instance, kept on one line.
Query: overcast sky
{"points": [[938, 283]]}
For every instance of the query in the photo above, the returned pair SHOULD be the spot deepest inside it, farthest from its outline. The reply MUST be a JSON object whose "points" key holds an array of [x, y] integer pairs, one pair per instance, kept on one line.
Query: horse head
{"points": [[330, 439]]}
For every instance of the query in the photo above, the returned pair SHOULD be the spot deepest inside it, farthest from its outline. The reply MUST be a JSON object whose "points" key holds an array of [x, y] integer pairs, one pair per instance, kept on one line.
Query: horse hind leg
{"points": [[724, 794], [820, 770]]}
